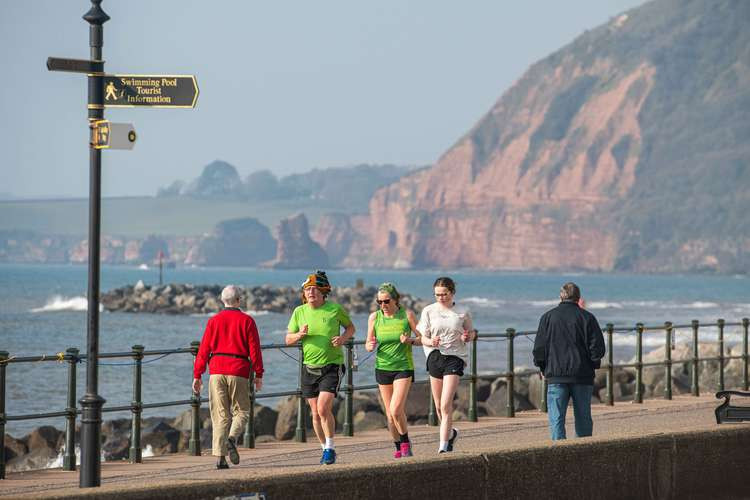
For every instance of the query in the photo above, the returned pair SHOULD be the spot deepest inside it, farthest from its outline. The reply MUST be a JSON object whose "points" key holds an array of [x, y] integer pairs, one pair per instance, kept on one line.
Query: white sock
{"points": [[322, 446], [329, 444], [443, 446]]}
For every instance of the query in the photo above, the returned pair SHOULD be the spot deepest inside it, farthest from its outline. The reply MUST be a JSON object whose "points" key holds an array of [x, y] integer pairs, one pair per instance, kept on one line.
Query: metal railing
{"points": [[72, 357]]}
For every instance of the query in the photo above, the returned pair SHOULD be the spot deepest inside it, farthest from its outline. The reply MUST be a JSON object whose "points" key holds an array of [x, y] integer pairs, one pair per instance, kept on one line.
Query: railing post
{"points": [[545, 387], [510, 409], [745, 323], [638, 397], [668, 360], [348, 427], [69, 459], [3, 363], [720, 323], [610, 365], [432, 419], [195, 406], [300, 431], [249, 437], [694, 386], [136, 407], [473, 383]]}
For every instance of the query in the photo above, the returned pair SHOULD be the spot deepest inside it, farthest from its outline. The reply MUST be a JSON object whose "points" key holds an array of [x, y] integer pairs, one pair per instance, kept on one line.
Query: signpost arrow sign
{"points": [[152, 91], [74, 65]]}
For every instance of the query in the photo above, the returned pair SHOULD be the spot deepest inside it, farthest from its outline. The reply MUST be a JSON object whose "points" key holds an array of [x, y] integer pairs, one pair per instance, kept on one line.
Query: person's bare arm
{"points": [[371, 342], [294, 337], [343, 339]]}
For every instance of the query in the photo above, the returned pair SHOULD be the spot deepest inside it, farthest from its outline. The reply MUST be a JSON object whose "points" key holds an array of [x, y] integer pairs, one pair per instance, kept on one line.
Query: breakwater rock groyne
{"points": [[180, 298]]}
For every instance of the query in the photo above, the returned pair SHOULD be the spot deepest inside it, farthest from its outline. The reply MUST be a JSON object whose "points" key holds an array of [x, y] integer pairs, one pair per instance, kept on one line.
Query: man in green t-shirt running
{"points": [[317, 324]]}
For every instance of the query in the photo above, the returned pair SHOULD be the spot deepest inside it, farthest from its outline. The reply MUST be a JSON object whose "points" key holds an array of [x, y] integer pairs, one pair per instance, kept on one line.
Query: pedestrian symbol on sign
{"points": [[111, 92]]}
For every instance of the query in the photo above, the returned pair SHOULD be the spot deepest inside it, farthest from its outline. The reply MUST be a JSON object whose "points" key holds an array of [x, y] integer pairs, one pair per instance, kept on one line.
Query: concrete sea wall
{"points": [[711, 464]]}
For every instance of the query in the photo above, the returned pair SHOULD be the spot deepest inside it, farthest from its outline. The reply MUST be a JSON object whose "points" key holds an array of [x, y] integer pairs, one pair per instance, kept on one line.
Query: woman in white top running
{"points": [[445, 329]]}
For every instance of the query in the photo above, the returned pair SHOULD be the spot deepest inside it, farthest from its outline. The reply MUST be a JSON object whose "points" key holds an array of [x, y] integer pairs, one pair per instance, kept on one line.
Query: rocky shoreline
{"points": [[181, 298], [43, 447]]}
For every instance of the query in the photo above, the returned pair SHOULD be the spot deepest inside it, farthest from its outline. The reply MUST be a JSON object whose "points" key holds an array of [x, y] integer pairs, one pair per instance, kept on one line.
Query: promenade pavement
{"points": [[280, 460]]}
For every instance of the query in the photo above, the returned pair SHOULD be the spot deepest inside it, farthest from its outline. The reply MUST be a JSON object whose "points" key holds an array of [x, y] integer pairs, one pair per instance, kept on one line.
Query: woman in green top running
{"points": [[389, 330]]}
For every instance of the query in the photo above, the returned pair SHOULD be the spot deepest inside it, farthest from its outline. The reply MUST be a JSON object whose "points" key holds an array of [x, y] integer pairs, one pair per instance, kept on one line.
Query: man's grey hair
{"points": [[231, 295], [570, 291]]}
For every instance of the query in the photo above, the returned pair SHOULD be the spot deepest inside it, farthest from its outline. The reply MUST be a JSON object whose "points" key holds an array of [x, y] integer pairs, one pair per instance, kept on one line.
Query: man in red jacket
{"points": [[231, 348]]}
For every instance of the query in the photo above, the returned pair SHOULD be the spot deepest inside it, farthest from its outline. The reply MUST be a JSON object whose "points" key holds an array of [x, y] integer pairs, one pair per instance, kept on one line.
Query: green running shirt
{"points": [[323, 323], [392, 355]]}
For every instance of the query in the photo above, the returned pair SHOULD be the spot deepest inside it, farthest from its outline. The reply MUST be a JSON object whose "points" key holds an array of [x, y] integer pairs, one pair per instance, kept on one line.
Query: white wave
{"points": [[655, 304], [482, 301], [700, 305], [58, 461], [603, 305], [60, 303], [642, 303], [656, 339], [543, 303]]}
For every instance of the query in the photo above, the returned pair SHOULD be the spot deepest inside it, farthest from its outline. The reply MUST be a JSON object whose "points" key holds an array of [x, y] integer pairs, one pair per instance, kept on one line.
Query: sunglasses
{"points": [[384, 301]]}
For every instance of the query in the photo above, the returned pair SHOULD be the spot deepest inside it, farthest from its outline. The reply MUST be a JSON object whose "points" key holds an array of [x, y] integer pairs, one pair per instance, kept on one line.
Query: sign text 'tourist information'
{"points": [[155, 91]]}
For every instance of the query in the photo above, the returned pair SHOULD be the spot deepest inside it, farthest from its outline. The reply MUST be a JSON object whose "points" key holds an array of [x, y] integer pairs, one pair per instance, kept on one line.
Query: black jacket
{"points": [[569, 345]]}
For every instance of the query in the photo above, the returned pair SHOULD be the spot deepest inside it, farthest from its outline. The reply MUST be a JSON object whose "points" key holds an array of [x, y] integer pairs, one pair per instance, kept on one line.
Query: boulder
{"points": [[496, 403], [369, 420], [461, 400], [117, 448], [184, 421], [536, 388], [162, 438], [367, 401], [265, 420], [37, 458], [418, 403], [286, 422], [45, 436], [14, 447]]}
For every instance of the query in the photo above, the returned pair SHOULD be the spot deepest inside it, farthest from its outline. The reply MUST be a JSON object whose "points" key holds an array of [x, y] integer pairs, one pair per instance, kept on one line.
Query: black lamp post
{"points": [[91, 403]]}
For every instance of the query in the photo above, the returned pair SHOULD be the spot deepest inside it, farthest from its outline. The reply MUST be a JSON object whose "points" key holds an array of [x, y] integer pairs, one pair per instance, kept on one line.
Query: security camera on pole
{"points": [[160, 91]]}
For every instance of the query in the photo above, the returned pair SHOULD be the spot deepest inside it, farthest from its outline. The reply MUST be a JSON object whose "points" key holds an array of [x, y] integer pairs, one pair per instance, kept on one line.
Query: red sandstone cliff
{"points": [[582, 164]]}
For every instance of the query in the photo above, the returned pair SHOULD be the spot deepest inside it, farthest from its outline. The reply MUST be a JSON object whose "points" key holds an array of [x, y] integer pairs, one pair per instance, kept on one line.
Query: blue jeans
{"points": [[557, 407]]}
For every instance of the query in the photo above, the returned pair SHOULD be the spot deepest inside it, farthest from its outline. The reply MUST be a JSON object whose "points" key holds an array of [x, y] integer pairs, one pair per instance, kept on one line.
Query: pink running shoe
{"points": [[406, 450], [397, 454]]}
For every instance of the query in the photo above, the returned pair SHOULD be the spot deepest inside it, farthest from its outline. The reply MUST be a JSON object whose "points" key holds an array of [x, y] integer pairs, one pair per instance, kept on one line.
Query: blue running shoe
{"points": [[329, 457]]}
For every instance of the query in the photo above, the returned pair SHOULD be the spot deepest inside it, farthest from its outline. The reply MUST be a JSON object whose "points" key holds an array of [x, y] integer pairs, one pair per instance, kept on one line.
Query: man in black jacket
{"points": [[569, 345]]}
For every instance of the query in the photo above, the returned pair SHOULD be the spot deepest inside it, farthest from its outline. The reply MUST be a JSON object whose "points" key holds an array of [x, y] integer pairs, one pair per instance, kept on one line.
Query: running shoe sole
{"points": [[453, 438]]}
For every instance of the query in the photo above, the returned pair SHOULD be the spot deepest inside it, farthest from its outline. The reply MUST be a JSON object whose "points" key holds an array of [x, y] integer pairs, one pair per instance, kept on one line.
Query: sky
{"points": [[284, 86]]}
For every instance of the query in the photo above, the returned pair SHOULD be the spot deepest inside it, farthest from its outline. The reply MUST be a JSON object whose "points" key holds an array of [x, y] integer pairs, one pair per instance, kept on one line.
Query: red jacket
{"points": [[230, 332]]}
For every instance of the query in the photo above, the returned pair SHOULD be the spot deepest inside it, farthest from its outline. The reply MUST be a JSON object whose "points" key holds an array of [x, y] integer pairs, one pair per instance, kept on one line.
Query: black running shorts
{"points": [[439, 365], [386, 377], [324, 379]]}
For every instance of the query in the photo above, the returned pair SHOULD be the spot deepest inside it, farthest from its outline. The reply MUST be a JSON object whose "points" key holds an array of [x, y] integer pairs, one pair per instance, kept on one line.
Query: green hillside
{"points": [[137, 217]]}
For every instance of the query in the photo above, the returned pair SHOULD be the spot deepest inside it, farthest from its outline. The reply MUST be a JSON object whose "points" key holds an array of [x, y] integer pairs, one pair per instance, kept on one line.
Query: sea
{"points": [[43, 311]]}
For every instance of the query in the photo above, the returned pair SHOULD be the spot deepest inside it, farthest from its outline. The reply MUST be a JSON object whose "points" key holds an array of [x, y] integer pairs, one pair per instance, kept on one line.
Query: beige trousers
{"points": [[228, 401]]}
